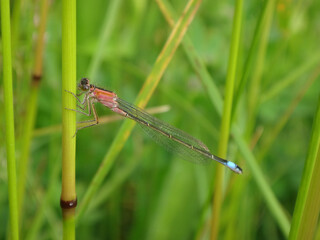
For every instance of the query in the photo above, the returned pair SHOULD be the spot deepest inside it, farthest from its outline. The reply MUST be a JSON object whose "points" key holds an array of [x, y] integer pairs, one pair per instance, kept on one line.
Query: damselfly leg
{"points": [[85, 104]]}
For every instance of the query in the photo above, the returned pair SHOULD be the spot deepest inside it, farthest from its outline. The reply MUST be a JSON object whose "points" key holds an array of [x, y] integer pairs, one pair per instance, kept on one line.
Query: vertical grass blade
{"points": [[254, 87], [68, 200], [263, 186], [266, 11], [25, 148], [32, 106], [306, 212], [107, 27], [9, 118], [226, 118], [145, 93]]}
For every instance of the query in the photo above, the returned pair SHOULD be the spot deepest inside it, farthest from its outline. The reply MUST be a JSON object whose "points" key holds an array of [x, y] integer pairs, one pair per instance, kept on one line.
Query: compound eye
{"points": [[84, 81], [84, 84]]}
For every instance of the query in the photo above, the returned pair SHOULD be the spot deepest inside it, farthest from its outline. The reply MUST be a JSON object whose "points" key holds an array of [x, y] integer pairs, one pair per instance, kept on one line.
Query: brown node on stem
{"points": [[68, 204], [36, 77]]}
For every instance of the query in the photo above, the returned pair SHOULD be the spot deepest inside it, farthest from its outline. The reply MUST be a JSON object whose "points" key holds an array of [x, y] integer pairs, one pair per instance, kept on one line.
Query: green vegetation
{"points": [[8, 112], [155, 53]]}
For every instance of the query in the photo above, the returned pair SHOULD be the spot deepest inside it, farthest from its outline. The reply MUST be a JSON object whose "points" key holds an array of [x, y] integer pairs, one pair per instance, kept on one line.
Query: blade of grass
{"points": [[9, 118], [282, 84], [226, 118], [216, 99], [261, 33], [53, 226], [265, 189], [254, 86], [267, 143], [306, 212], [26, 143], [113, 184], [266, 11], [165, 223], [44, 200], [31, 107], [68, 199], [236, 193], [253, 99], [108, 24], [317, 235], [145, 93]]}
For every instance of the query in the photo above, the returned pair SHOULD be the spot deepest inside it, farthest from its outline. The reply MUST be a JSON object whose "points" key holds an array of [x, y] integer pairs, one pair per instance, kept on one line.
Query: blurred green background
{"points": [[151, 193]]}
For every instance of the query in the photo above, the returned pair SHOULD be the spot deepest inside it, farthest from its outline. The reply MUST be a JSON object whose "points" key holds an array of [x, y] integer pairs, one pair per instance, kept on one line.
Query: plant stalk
{"points": [[68, 200], [9, 119], [226, 118]]}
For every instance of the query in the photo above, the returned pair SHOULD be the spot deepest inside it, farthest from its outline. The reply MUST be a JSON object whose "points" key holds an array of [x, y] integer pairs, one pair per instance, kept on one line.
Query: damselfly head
{"points": [[84, 84]]}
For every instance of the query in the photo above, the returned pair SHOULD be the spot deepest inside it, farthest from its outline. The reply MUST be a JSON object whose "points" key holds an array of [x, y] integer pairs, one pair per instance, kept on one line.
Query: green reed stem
{"points": [[226, 118], [306, 212], [9, 118], [68, 194]]}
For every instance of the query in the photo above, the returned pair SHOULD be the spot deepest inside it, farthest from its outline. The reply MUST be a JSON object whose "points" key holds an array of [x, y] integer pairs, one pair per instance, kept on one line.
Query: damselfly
{"points": [[175, 140]]}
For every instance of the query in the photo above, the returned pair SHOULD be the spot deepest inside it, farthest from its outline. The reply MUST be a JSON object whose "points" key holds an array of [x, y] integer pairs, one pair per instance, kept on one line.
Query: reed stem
{"points": [[68, 200], [9, 118]]}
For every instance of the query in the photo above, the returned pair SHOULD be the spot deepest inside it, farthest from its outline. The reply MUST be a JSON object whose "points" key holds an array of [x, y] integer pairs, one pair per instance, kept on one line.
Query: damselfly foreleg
{"points": [[96, 118], [86, 103]]}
